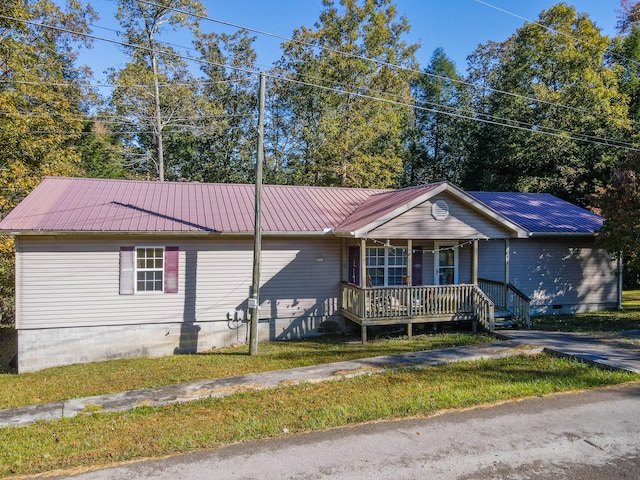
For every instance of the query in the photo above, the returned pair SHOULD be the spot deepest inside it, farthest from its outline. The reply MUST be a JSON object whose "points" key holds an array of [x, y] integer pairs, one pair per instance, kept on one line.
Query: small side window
{"points": [[148, 269]]}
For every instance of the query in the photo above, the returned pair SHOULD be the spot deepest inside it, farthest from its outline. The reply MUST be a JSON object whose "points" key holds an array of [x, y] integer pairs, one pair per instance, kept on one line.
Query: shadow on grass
{"points": [[339, 347]]}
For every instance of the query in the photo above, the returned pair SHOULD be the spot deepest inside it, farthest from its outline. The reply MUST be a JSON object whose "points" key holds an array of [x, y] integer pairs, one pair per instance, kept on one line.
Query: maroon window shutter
{"points": [[416, 266], [127, 270], [354, 265], [171, 256]]}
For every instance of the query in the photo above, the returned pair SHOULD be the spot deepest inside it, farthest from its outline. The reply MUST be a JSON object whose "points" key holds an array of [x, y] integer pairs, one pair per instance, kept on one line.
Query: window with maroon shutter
{"points": [[127, 270], [171, 257], [149, 269]]}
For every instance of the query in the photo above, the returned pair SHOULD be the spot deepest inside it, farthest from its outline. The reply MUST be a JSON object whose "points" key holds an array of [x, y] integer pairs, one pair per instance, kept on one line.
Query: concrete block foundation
{"points": [[49, 347]]}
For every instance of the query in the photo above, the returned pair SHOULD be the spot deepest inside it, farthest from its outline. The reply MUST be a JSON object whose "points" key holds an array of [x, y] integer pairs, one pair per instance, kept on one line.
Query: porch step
{"points": [[504, 319]]}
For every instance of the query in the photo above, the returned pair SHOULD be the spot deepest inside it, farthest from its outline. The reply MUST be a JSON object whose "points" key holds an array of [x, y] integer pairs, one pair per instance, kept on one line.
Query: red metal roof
{"points": [[103, 205], [381, 204], [61, 204]]}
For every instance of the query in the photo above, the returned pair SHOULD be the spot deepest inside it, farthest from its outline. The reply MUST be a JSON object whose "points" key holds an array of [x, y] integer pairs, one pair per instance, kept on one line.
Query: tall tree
{"points": [[437, 146], [154, 93], [624, 56], [620, 205], [224, 149], [333, 125], [41, 100], [555, 71]]}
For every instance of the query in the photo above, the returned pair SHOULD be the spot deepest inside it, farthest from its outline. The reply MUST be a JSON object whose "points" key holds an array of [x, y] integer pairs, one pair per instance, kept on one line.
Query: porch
{"points": [[491, 304]]}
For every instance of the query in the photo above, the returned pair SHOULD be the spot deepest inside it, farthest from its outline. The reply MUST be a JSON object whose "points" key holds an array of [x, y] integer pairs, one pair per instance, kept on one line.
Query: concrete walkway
{"points": [[610, 352], [618, 351]]}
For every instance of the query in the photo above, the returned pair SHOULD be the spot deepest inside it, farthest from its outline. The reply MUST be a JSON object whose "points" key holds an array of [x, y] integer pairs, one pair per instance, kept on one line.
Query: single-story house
{"points": [[115, 268]]}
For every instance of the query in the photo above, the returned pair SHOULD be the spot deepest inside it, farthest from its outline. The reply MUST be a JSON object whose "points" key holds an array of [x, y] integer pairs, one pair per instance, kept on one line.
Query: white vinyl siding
{"points": [[556, 272], [74, 281], [569, 273], [462, 223]]}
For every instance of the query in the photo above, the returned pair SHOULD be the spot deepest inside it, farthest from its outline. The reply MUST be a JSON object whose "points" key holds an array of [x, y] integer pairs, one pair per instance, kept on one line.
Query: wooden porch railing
{"points": [[384, 305], [509, 299]]}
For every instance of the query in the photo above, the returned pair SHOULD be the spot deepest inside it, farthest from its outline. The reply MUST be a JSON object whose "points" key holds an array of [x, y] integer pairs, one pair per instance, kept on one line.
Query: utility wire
{"points": [[554, 31], [360, 57], [562, 134], [112, 85], [541, 130], [378, 62]]}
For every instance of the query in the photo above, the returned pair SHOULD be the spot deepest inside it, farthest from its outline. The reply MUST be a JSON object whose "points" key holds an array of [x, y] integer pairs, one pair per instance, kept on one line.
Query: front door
{"points": [[446, 263]]}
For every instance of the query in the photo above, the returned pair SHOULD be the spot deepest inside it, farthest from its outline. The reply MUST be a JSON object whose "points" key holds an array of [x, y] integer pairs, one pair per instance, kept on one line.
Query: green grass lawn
{"points": [[606, 321], [74, 381], [102, 439]]}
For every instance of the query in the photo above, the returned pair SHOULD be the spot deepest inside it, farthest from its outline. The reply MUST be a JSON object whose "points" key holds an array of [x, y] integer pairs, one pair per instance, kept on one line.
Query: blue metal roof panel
{"points": [[541, 212]]}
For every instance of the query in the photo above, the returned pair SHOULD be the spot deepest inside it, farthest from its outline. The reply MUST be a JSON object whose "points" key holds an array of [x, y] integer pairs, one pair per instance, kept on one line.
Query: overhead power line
{"points": [[372, 60], [535, 129], [554, 31], [112, 85]]}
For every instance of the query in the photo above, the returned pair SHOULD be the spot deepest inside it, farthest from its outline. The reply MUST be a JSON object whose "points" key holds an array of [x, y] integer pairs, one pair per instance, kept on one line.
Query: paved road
{"points": [[589, 435]]}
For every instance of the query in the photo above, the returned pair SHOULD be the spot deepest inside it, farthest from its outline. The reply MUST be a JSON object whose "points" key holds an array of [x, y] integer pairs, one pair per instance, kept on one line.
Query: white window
{"points": [[149, 269], [386, 266]]}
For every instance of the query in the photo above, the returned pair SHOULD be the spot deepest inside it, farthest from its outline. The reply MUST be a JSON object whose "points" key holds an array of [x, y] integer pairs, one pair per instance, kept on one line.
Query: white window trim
{"points": [[386, 265], [135, 271], [436, 260]]}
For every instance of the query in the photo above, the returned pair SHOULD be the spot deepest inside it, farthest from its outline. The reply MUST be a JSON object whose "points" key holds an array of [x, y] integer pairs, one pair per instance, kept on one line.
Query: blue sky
{"points": [[458, 26]]}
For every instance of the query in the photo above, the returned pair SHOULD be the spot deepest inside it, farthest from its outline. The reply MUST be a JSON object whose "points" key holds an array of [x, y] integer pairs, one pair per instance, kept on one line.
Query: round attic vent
{"points": [[440, 210]]}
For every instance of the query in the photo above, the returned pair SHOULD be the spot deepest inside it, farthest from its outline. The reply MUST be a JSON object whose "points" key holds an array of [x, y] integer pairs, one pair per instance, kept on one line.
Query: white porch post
{"points": [[409, 283], [409, 262], [474, 263], [363, 284], [363, 262], [620, 281], [506, 273]]}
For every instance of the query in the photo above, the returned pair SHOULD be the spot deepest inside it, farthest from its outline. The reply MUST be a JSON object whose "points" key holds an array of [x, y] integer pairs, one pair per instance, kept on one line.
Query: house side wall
{"points": [[560, 275], [70, 309], [491, 260], [463, 223]]}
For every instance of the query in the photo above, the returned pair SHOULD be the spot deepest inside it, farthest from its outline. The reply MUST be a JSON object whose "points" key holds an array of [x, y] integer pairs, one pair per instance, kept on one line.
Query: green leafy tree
{"points": [[42, 104], [154, 95], [624, 57], [619, 202], [101, 154], [555, 71], [330, 124], [437, 146], [225, 147]]}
